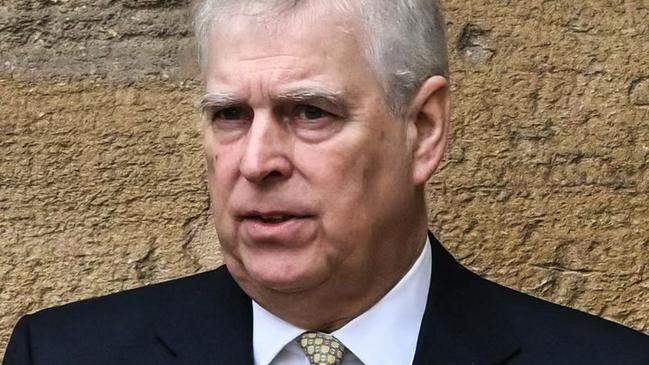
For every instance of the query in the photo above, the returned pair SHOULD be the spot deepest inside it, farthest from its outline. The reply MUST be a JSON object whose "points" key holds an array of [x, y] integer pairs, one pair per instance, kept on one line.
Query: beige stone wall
{"points": [[545, 188]]}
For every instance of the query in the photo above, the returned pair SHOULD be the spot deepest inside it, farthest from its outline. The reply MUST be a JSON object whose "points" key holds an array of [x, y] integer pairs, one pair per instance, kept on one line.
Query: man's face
{"points": [[310, 174]]}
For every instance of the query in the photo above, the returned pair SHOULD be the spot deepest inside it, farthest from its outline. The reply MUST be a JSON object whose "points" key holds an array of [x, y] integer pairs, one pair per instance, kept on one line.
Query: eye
{"points": [[313, 123], [230, 113], [311, 113]]}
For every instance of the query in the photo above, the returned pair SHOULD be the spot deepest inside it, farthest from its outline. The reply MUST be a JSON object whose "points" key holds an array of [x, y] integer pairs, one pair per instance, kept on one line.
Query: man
{"points": [[324, 120]]}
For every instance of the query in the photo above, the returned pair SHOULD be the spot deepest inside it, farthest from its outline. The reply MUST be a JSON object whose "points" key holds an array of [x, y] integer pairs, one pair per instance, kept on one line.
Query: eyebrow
{"points": [[211, 101], [317, 95], [309, 93]]}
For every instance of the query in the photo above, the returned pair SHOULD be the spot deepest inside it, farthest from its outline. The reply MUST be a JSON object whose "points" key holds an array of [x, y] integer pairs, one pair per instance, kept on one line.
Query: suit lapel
{"points": [[214, 327], [462, 325]]}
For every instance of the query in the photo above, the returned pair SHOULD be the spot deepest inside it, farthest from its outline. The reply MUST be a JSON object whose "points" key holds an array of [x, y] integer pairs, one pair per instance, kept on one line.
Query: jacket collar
{"points": [[213, 327], [462, 324]]}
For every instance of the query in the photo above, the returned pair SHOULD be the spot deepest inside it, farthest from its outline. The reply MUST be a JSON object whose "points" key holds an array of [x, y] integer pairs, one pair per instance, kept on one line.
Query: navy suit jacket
{"points": [[207, 319]]}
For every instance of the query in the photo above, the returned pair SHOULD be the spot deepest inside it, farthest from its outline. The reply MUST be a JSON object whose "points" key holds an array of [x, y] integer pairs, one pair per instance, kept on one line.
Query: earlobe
{"points": [[429, 111]]}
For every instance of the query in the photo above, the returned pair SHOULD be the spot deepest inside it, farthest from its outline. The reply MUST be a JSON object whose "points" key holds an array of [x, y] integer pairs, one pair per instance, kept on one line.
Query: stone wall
{"points": [[545, 188]]}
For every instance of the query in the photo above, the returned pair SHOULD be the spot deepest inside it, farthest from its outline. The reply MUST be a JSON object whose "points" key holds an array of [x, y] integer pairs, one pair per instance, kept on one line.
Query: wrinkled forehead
{"points": [[282, 17], [317, 33], [255, 55]]}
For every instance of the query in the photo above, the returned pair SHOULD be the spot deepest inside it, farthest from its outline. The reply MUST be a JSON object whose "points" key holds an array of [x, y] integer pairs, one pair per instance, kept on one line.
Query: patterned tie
{"points": [[321, 348]]}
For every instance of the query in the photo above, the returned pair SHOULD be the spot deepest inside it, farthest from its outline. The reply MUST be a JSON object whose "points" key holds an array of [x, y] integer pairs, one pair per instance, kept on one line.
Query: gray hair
{"points": [[406, 39]]}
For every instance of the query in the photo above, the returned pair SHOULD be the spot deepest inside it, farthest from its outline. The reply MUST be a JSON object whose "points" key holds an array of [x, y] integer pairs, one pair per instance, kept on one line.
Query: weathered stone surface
{"points": [[545, 187], [639, 92], [101, 189], [116, 40], [474, 44]]}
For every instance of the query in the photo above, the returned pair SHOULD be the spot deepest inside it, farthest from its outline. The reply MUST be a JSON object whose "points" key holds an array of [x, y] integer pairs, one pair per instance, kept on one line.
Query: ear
{"points": [[429, 113]]}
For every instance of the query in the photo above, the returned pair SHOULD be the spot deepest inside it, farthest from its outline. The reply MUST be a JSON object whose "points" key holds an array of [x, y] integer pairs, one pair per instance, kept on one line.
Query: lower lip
{"points": [[289, 232]]}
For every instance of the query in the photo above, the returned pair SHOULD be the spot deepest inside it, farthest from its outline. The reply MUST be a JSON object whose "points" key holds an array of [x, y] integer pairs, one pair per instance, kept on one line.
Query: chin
{"points": [[277, 268], [285, 278]]}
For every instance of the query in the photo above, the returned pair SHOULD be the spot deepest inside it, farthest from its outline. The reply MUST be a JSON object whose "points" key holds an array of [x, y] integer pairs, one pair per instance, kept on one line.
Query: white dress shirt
{"points": [[386, 334]]}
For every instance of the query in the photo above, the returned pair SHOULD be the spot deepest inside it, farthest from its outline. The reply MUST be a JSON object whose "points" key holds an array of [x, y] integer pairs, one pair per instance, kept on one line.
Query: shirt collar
{"points": [[270, 334], [391, 325]]}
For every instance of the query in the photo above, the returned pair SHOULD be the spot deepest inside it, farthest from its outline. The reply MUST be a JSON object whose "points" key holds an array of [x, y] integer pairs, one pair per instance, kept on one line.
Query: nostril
{"points": [[275, 173], [275, 169]]}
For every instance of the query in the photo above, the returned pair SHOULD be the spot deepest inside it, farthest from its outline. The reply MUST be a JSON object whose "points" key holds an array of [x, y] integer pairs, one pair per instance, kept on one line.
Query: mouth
{"points": [[273, 218], [290, 228]]}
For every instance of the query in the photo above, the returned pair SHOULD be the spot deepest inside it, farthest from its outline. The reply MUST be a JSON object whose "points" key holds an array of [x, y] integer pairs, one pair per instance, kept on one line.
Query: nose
{"points": [[266, 151]]}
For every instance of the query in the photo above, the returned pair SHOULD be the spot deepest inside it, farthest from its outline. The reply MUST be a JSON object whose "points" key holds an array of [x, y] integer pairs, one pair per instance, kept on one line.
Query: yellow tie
{"points": [[321, 348]]}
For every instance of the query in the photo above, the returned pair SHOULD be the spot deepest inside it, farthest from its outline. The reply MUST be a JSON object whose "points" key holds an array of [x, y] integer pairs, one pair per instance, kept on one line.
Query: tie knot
{"points": [[321, 348]]}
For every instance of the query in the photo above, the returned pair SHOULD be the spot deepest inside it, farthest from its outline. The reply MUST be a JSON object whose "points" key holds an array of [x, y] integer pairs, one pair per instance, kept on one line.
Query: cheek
{"points": [[222, 169], [222, 166], [342, 177], [358, 176], [345, 164]]}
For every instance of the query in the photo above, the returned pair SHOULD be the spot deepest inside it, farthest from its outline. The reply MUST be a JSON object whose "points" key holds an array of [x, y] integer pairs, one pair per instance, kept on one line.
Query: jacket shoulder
{"points": [[543, 332], [117, 324], [558, 334], [138, 303]]}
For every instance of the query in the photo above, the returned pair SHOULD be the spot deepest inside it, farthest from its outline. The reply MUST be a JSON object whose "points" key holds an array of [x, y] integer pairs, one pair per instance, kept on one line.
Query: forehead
{"points": [[286, 21], [314, 43]]}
